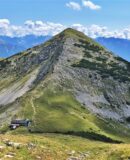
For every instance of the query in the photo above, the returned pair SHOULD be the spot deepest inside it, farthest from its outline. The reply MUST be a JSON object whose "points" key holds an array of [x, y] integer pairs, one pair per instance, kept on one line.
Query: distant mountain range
{"points": [[10, 46], [119, 46]]}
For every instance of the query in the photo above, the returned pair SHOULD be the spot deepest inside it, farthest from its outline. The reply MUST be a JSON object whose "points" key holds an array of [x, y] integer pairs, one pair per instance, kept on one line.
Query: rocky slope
{"points": [[70, 83]]}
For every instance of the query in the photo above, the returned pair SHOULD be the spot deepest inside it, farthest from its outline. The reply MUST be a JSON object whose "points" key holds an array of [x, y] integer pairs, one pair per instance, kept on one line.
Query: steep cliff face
{"points": [[61, 83]]}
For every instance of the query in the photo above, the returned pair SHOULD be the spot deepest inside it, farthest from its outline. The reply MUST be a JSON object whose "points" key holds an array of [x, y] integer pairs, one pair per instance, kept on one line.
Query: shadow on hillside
{"points": [[89, 135], [94, 136]]}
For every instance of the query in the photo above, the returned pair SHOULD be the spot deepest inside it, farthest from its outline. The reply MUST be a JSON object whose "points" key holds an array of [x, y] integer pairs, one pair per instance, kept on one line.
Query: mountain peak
{"points": [[78, 36], [62, 77], [73, 32]]}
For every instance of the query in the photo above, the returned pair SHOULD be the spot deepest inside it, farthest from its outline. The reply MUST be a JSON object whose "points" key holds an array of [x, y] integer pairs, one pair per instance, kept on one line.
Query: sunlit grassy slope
{"points": [[56, 111], [61, 147]]}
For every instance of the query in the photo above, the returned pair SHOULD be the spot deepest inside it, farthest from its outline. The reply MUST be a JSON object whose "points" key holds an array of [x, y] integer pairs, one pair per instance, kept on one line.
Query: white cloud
{"points": [[90, 5], [29, 23], [80, 28], [74, 6], [30, 27], [95, 31], [41, 28], [4, 22]]}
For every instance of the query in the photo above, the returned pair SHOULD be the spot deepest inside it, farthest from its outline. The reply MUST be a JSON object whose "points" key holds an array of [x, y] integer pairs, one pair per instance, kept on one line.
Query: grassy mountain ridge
{"points": [[70, 84]]}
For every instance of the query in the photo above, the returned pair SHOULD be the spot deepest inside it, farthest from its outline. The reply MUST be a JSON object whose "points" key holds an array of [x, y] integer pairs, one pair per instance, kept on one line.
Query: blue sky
{"points": [[113, 14]]}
